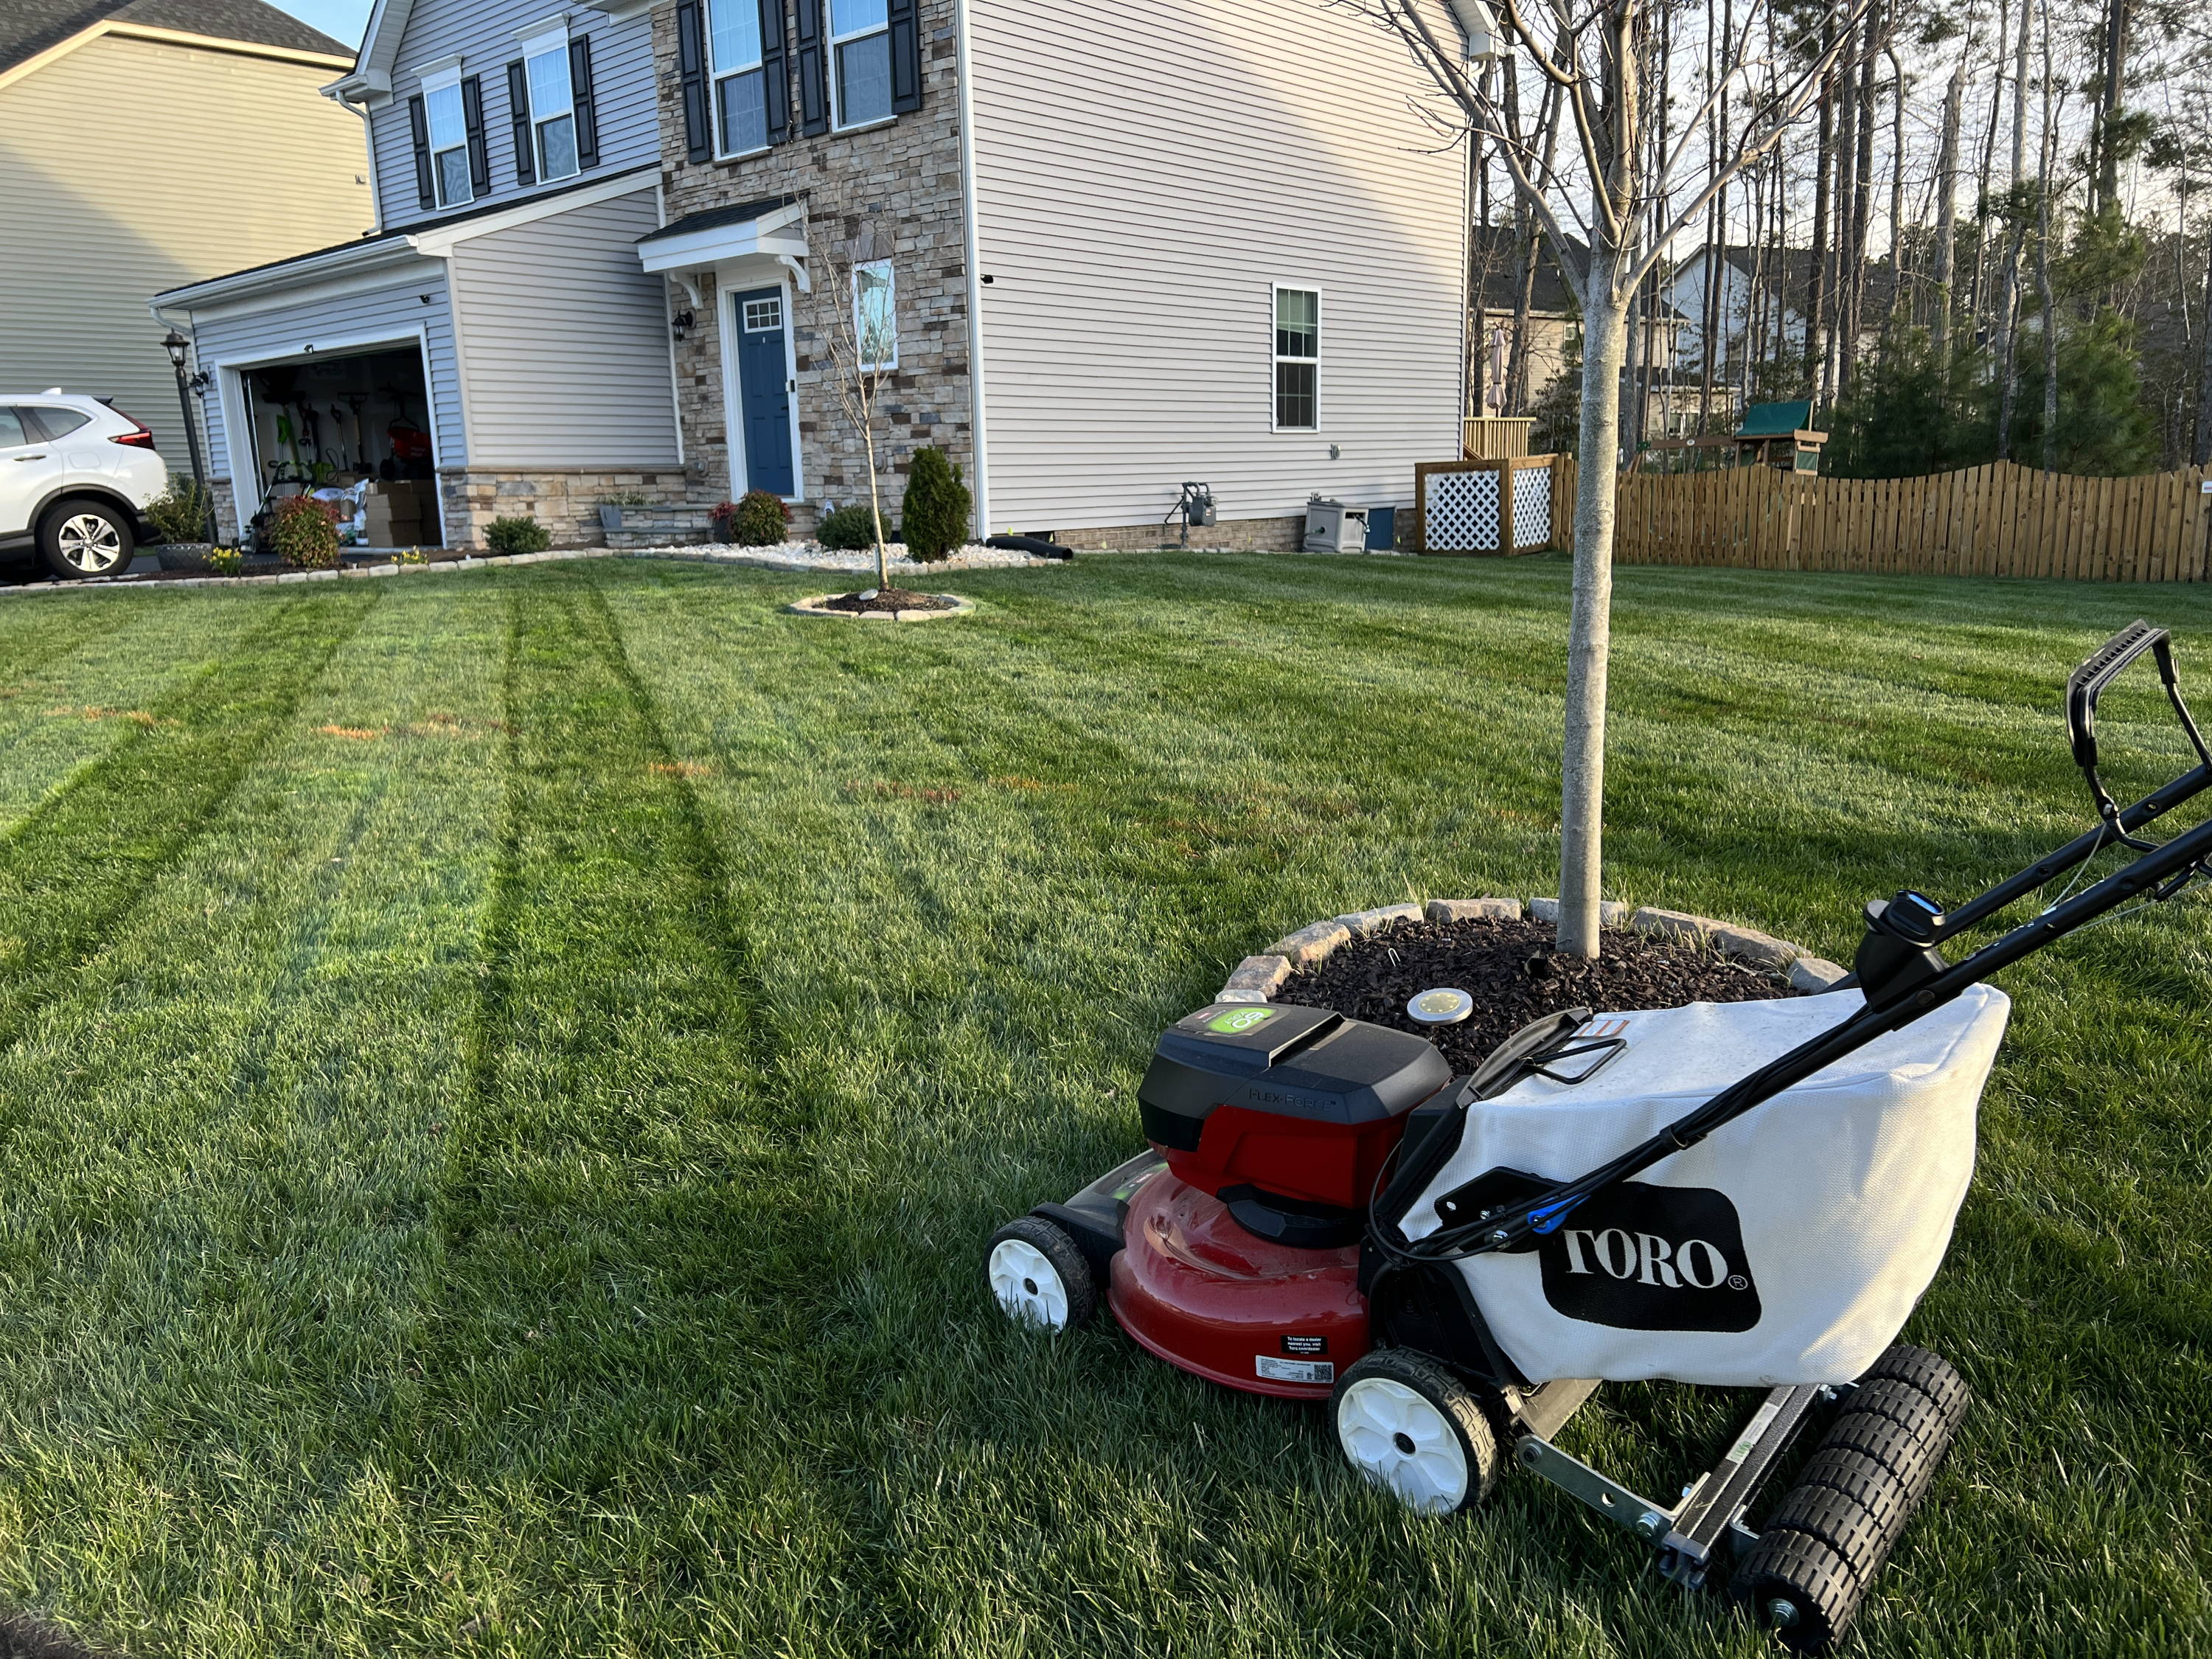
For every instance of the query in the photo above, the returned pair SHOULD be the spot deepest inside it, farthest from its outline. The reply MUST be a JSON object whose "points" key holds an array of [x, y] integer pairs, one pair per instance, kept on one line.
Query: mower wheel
{"points": [[1414, 1429], [1801, 1588], [1930, 1373], [1039, 1276]]}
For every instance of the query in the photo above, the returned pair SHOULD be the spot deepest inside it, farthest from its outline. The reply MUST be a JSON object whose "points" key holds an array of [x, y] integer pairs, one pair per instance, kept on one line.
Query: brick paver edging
{"points": [[1259, 978]]}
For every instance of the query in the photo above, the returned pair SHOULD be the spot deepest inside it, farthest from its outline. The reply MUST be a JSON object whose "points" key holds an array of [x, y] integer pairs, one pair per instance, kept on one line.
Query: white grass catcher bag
{"points": [[1788, 1246]]}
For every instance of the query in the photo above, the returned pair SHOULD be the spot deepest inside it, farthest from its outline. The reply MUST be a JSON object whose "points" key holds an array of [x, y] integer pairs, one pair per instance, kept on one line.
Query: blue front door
{"points": [[763, 389]]}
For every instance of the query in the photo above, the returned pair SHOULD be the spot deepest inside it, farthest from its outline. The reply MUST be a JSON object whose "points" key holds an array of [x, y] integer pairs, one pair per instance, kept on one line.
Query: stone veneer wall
{"points": [[565, 500], [1234, 535], [896, 193], [225, 509]]}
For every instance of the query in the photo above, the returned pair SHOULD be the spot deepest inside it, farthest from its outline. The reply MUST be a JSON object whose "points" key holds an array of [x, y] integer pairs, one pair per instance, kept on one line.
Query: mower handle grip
{"points": [[2099, 669]]}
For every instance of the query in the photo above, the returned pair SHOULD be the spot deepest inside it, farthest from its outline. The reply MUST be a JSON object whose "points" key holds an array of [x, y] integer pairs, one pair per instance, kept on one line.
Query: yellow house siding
{"points": [[130, 166]]}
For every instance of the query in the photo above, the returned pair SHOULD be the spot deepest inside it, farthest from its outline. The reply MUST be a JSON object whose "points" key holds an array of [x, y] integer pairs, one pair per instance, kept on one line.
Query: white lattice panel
{"points": [[1532, 507], [1462, 513]]}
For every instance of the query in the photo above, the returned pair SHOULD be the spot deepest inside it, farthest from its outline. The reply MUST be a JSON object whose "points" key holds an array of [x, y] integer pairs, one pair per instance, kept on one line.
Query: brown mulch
{"points": [[1508, 968], [888, 598]]}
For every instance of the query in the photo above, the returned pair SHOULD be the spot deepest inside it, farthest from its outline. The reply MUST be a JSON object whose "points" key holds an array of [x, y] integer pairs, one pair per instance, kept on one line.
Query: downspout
{"points": [[369, 149], [966, 65]]}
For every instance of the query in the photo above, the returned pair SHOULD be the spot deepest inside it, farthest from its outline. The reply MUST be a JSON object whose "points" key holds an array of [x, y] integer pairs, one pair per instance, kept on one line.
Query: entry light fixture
{"points": [[680, 324]]}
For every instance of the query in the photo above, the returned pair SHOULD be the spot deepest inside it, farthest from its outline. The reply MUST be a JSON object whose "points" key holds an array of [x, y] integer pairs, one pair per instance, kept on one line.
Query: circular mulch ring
{"points": [[1368, 965], [884, 605]]}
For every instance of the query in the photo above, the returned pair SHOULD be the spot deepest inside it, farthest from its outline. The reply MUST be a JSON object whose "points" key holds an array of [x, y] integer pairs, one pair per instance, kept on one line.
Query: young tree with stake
{"points": [[1620, 191]]}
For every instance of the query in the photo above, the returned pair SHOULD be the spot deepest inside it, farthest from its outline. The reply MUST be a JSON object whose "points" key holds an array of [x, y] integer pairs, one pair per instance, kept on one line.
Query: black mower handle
{"points": [[2098, 669]]}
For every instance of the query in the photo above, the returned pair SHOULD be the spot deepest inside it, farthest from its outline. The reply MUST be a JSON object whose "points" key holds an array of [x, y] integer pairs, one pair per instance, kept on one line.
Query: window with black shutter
{"points": [[452, 129], [750, 88], [518, 106], [813, 70], [906, 55], [472, 121], [418, 125], [557, 116], [586, 108], [691, 68]]}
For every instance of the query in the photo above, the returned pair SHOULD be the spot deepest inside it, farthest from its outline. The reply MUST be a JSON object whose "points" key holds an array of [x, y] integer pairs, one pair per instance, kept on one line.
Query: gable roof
{"points": [[28, 28]]}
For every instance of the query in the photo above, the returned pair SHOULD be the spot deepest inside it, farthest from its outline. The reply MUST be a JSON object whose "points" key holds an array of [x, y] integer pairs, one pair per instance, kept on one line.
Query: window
{"points": [[1298, 359], [552, 105], [860, 39], [764, 316], [449, 144], [740, 82], [58, 423], [13, 434], [875, 319]]}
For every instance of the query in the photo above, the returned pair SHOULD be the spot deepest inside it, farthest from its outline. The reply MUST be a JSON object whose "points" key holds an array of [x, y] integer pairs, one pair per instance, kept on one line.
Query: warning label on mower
{"points": [[1294, 1371]]}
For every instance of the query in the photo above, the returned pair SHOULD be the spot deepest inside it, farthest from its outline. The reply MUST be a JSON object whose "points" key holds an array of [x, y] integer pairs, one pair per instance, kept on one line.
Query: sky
{"points": [[342, 20]]}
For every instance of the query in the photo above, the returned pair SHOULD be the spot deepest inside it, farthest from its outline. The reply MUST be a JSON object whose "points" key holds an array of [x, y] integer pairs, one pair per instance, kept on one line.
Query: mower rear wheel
{"points": [[1039, 1276], [1416, 1430]]}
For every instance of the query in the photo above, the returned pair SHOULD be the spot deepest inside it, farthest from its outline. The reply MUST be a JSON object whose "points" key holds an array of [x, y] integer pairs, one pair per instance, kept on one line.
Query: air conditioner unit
{"points": [[1333, 527]]}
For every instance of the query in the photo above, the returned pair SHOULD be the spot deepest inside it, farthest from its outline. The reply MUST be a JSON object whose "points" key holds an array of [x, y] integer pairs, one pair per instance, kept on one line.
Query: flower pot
{"points": [[182, 556], [610, 517]]}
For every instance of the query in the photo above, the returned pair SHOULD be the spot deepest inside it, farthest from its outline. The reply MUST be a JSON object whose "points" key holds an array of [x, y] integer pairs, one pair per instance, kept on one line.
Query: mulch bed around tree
{"points": [[888, 598], [1508, 968]]}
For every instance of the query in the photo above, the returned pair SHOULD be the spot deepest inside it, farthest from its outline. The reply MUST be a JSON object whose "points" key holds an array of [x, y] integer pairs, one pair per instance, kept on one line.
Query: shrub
{"points": [[518, 533], [180, 514], [626, 498], [305, 532], [760, 520], [934, 515], [850, 529], [226, 561]]}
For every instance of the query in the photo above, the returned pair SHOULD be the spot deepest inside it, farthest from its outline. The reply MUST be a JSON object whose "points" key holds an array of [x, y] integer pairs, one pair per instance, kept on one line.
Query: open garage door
{"points": [[353, 427]]}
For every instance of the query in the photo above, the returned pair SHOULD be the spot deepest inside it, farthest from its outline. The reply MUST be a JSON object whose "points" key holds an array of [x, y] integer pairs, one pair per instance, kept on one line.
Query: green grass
{"points": [[505, 1080]]}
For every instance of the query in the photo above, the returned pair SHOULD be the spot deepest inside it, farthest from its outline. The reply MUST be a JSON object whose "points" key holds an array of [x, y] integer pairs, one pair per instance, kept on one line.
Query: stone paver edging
{"points": [[1259, 978], [819, 606]]}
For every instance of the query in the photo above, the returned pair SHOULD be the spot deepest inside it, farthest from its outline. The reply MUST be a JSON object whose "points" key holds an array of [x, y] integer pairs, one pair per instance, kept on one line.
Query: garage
{"points": [[354, 428]]}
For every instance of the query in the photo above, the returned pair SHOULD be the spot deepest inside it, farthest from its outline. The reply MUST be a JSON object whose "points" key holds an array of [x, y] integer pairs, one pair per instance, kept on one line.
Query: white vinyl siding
{"points": [[416, 300], [566, 342], [1145, 173], [622, 90]]}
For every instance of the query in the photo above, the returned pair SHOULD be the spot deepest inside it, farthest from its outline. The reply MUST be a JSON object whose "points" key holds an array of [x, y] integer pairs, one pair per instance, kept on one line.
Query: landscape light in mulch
{"points": [[1445, 1006]]}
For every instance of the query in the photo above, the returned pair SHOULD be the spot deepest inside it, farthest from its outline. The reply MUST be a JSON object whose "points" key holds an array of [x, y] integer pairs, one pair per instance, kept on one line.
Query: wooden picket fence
{"points": [[1995, 520]]}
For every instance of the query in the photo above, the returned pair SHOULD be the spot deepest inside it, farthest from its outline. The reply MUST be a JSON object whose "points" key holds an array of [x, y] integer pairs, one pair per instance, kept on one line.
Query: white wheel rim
{"points": [[90, 543], [1028, 1286], [1377, 1420]]}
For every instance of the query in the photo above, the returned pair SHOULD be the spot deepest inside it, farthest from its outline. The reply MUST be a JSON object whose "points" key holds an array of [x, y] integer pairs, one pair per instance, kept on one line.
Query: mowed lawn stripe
{"points": [[216, 1159], [624, 1349], [72, 869]]}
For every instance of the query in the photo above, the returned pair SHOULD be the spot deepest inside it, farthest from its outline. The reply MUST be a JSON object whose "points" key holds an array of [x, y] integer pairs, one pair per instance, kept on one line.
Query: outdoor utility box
{"points": [[1333, 527]]}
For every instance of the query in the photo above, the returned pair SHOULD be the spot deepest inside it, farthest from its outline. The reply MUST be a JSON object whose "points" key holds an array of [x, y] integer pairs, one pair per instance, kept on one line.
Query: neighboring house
{"points": [[1501, 277], [145, 143], [1199, 240]]}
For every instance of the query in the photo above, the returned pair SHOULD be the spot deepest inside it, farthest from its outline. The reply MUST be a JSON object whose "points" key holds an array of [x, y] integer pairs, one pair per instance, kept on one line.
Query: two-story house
{"points": [[1101, 251]]}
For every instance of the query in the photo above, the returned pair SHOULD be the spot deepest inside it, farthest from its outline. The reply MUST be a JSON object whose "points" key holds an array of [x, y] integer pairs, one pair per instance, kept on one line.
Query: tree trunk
{"points": [[1947, 210], [2046, 159], [1896, 181], [1597, 485], [1855, 278], [1816, 277], [2104, 136], [2016, 230], [2201, 453]]}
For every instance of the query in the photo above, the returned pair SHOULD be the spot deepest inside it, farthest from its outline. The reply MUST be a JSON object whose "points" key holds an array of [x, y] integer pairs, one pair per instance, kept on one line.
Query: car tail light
{"points": [[142, 439]]}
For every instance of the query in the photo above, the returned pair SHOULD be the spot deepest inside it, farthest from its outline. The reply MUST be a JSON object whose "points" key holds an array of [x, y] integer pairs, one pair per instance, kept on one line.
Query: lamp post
{"points": [[176, 346]]}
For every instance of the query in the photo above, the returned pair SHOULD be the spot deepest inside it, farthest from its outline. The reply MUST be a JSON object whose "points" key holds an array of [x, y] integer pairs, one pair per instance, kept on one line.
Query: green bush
{"points": [[849, 529], [934, 515], [519, 534], [760, 520], [305, 532], [180, 514]]}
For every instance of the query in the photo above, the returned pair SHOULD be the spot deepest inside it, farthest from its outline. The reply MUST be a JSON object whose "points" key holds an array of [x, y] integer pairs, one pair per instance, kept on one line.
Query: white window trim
{"points": [[547, 43], [543, 35], [716, 75], [443, 76], [859, 326], [837, 122], [1275, 291]]}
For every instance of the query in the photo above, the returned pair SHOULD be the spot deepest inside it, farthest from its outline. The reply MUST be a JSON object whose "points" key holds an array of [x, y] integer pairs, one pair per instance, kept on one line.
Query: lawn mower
{"points": [[1455, 1264]]}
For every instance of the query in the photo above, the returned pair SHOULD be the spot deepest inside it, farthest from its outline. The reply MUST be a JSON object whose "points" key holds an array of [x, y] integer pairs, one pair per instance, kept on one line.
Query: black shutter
{"points": [[691, 65], [775, 70], [472, 118], [580, 99], [418, 124], [813, 70], [518, 105], [906, 57]]}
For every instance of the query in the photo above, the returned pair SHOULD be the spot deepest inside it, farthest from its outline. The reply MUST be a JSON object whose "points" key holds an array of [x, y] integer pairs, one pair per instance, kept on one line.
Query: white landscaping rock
{"points": [[1263, 975], [1609, 915], [1310, 944], [1815, 974], [1364, 922], [1474, 909]]}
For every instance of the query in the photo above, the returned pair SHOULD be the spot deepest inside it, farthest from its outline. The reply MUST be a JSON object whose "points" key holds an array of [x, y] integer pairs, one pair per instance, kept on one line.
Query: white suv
{"points": [[74, 474]]}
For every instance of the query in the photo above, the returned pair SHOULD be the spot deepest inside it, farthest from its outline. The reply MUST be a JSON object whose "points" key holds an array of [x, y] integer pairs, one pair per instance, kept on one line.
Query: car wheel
{"points": [[86, 538]]}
